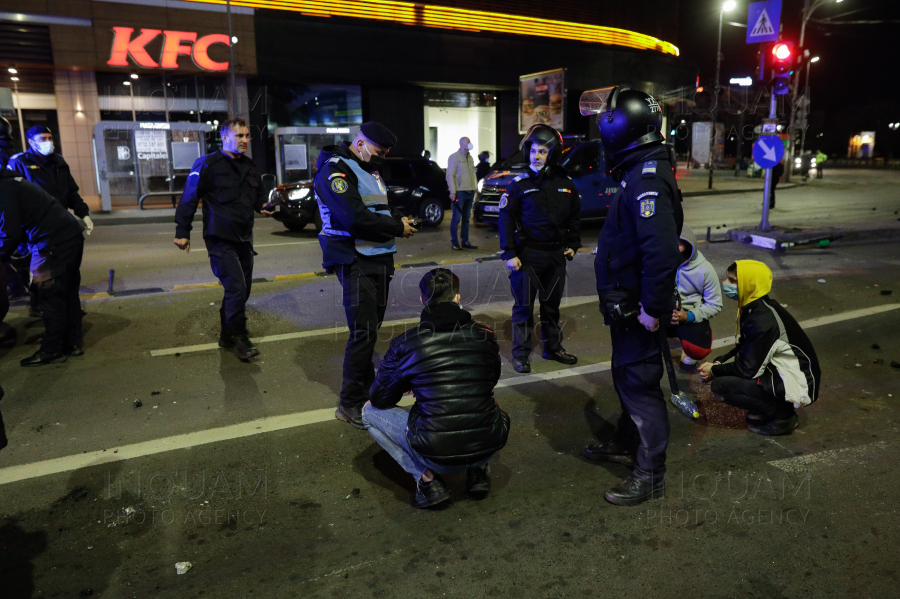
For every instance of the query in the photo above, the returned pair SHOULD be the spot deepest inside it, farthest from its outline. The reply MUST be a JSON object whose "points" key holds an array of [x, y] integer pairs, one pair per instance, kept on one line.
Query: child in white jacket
{"points": [[700, 298]]}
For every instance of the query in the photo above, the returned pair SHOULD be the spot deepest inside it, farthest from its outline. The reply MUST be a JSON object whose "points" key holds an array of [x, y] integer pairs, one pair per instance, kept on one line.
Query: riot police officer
{"points": [[636, 263], [357, 239], [231, 188], [539, 230]]}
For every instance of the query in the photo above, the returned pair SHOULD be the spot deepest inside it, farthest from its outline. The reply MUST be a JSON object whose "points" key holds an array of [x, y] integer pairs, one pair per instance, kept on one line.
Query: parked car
{"points": [[585, 162], [415, 187]]}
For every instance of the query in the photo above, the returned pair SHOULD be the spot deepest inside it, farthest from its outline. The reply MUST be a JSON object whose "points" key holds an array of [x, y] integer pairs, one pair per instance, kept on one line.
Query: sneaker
{"points": [[429, 494], [244, 348], [521, 366], [775, 427], [477, 481], [561, 356], [352, 415], [609, 452], [687, 360], [634, 490]]}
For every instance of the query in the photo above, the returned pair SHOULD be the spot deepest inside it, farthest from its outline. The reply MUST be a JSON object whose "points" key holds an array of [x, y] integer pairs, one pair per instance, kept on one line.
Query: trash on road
{"points": [[183, 567], [821, 280], [138, 403]]}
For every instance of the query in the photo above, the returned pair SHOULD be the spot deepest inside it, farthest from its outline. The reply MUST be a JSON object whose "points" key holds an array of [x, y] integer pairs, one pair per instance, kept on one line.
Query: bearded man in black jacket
{"points": [[451, 363]]}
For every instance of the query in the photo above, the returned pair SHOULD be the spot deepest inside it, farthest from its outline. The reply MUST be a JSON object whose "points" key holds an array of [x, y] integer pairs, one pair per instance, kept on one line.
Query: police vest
{"points": [[374, 196]]}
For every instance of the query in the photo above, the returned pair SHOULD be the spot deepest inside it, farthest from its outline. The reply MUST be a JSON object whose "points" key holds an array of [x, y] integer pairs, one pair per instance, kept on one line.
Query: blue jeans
{"points": [[388, 428], [461, 207]]}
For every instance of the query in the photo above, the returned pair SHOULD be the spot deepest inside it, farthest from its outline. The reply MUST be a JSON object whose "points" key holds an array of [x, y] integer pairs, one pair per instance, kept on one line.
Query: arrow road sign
{"points": [[768, 151], [763, 21]]}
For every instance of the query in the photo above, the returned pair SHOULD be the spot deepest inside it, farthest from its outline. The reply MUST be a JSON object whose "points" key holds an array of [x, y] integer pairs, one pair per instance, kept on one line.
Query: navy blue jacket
{"points": [[51, 173], [231, 190], [637, 251]]}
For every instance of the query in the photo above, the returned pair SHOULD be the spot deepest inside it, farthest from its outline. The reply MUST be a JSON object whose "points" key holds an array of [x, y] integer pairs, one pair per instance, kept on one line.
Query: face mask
{"points": [[470, 147], [373, 163], [45, 147], [730, 290]]}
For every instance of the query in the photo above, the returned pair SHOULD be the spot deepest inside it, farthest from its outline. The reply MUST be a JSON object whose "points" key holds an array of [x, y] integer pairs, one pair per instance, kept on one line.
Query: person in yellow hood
{"points": [[773, 368]]}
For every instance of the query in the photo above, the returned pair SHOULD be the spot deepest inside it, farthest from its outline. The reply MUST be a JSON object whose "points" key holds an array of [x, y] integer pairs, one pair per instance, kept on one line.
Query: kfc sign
{"points": [[174, 44]]}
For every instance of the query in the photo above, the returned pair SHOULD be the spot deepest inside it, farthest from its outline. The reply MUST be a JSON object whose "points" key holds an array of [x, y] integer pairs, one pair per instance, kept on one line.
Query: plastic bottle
{"points": [[685, 405]]}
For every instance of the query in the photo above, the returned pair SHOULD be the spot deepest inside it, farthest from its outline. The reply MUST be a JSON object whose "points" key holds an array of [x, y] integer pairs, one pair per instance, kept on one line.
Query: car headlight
{"points": [[480, 185], [299, 193]]}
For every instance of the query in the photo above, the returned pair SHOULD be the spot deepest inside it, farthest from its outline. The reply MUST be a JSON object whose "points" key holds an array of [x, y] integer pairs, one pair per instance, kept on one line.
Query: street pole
{"points": [[805, 107], [233, 110], [764, 223], [715, 105]]}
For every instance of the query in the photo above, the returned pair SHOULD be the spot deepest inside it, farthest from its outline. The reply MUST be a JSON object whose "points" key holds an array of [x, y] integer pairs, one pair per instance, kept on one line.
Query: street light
{"points": [[729, 5], [806, 103]]}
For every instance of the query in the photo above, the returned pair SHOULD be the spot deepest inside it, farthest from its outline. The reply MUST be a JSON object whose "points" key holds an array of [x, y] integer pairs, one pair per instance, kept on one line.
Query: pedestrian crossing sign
{"points": [[763, 21]]}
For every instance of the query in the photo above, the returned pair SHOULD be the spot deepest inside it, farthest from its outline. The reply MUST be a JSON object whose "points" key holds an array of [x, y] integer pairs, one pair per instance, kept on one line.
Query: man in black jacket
{"points": [[357, 239], [231, 188], [540, 216], [451, 363], [637, 260], [775, 368], [30, 215]]}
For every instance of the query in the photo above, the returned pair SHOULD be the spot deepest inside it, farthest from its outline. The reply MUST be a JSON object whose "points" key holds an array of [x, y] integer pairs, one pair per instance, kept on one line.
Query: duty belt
{"points": [[546, 246]]}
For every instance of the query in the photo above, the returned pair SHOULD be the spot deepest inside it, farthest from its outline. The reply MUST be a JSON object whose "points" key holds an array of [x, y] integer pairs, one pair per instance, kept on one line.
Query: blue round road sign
{"points": [[768, 151]]}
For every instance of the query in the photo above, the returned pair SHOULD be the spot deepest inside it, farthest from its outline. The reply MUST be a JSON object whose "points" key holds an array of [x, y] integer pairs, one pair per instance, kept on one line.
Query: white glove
{"points": [[89, 224]]}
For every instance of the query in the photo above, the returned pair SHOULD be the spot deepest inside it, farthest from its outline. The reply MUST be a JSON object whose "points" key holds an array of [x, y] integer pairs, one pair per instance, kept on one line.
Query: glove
{"points": [[89, 224]]}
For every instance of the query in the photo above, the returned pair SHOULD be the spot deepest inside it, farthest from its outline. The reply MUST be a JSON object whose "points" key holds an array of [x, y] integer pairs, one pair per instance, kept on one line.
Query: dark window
{"points": [[397, 171], [583, 160]]}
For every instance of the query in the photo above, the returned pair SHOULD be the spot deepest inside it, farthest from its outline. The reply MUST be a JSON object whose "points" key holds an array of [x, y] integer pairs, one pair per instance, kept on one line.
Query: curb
{"points": [[714, 192]]}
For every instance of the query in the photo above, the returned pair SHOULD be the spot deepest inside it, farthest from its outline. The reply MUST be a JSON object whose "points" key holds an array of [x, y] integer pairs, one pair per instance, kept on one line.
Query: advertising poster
{"points": [[542, 97], [151, 145]]}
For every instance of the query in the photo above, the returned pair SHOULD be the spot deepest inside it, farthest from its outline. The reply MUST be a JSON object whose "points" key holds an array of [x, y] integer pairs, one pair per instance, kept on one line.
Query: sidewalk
{"points": [[133, 216], [695, 182]]}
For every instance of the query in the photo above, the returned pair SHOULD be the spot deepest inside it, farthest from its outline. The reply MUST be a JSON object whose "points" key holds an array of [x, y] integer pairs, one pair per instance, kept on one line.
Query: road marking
{"points": [[276, 423], [828, 458], [496, 307], [194, 286], [302, 275]]}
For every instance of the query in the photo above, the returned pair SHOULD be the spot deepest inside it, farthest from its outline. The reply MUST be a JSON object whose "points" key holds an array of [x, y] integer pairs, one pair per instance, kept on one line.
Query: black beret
{"points": [[36, 130], [379, 134]]}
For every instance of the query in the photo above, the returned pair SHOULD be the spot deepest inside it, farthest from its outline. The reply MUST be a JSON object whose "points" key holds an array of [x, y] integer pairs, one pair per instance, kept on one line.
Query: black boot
{"points": [[561, 356], [429, 494], [352, 415], [777, 426], [609, 452], [634, 490], [521, 366], [226, 339], [243, 347], [477, 481]]}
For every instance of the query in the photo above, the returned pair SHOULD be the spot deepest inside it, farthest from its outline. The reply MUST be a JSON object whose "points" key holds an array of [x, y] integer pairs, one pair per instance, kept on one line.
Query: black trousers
{"points": [[543, 274], [643, 426], [232, 263], [746, 394], [58, 276], [366, 284], [3, 441]]}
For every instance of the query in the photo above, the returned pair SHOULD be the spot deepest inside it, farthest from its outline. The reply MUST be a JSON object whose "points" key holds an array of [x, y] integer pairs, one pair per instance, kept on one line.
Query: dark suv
{"points": [[415, 186]]}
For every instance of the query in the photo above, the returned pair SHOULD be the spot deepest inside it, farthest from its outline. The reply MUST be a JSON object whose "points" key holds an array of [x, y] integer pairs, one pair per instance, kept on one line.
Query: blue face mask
{"points": [[730, 290]]}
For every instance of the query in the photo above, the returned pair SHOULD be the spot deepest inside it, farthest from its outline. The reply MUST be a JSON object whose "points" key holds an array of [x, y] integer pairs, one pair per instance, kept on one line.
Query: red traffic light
{"points": [[781, 51]]}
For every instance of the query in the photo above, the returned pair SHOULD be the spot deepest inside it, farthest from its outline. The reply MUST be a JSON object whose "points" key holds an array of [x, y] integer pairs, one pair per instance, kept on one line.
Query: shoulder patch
{"points": [[649, 170], [648, 207], [564, 190], [333, 175], [647, 193], [339, 186], [504, 200], [334, 159]]}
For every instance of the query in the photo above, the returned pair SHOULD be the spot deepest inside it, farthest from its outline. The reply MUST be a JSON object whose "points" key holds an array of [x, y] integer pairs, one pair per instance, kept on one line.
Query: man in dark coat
{"points": [[451, 363]]}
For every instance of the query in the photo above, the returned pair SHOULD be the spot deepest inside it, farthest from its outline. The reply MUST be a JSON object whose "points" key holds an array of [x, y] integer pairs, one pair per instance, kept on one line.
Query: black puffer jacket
{"points": [[451, 363]]}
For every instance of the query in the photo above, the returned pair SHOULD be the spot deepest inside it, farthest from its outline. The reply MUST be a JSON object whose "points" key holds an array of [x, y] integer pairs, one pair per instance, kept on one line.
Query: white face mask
{"points": [[470, 146], [45, 147]]}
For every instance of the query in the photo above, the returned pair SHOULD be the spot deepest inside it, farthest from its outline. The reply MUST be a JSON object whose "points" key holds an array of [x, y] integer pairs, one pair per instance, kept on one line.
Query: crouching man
{"points": [[451, 363], [775, 368]]}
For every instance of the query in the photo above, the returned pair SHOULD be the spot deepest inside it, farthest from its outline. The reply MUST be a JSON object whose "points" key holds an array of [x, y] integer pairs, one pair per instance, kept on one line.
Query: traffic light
{"points": [[781, 57]]}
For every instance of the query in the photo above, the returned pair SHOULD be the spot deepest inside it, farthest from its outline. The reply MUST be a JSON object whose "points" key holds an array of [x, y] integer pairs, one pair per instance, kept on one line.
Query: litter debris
{"points": [[155, 392], [876, 346], [356, 491], [885, 292], [138, 403], [858, 365], [183, 567], [821, 280]]}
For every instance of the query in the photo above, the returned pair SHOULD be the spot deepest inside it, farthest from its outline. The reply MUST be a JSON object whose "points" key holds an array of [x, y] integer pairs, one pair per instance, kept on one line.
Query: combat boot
{"points": [[634, 490]]}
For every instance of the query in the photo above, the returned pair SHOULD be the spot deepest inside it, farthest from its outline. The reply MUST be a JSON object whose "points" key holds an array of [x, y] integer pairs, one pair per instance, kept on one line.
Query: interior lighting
{"points": [[446, 17]]}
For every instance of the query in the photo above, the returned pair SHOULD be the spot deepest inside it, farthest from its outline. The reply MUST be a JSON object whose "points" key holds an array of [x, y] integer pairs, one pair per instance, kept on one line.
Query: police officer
{"points": [[49, 171], [30, 215], [16, 277], [637, 259], [231, 188], [539, 231], [357, 239]]}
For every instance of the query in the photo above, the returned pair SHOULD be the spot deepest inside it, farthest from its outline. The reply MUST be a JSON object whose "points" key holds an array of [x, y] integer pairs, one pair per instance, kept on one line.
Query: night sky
{"points": [[853, 87]]}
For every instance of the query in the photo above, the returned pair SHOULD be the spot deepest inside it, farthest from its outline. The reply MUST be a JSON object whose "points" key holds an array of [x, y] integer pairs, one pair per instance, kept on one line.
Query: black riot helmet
{"points": [[5, 130], [627, 118], [543, 135]]}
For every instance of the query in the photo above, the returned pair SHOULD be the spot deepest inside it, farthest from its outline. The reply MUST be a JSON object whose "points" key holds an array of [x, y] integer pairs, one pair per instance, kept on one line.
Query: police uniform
{"points": [[231, 190], [358, 244], [30, 215], [51, 173], [638, 256], [539, 221]]}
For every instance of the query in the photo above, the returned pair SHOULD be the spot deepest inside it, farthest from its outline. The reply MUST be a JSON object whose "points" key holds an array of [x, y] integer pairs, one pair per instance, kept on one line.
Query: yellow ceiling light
{"points": [[445, 17]]}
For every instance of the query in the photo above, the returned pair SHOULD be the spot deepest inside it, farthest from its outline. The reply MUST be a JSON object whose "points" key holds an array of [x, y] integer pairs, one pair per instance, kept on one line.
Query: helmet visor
{"points": [[594, 101]]}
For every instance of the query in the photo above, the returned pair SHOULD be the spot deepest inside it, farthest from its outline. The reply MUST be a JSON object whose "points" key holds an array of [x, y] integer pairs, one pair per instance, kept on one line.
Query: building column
{"points": [[78, 110]]}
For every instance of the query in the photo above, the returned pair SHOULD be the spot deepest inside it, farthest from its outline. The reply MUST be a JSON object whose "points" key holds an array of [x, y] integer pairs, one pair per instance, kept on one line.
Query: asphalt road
{"points": [[241, 469]]}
